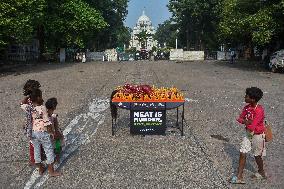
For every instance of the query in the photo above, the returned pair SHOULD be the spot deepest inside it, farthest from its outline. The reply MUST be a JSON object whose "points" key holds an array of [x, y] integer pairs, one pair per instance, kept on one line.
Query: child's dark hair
{"points": [[29, 86], [254, 93], [35, 93], [51, 103]]}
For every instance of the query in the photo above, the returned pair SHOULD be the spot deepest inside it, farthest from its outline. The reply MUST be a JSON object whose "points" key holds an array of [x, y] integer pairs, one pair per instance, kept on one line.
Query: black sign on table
{"points": [[147, 118], [147, 122]]}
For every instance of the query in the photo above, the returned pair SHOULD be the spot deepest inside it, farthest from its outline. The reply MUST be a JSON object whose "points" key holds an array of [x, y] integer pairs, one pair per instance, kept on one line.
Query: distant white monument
{"points": [[143, 24]]}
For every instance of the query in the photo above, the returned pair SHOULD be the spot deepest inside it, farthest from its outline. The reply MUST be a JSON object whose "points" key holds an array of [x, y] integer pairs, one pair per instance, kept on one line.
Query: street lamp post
{"points": [[177, 39], [176, 43]]}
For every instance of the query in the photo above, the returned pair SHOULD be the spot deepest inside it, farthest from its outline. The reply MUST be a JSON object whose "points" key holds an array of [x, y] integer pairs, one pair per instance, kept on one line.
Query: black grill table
{"points": [[149, 118]]}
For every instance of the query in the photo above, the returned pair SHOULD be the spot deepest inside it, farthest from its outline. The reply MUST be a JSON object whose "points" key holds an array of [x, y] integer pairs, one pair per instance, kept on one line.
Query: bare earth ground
{"points": [[95, 159]]}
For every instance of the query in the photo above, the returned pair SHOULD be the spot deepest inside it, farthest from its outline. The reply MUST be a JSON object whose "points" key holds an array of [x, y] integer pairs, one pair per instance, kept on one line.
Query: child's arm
{"points": [[25, 100], [50, 130], [56, 128], [24, 104], [47, 123], [58, 133], [241, 118], [247, 122]]}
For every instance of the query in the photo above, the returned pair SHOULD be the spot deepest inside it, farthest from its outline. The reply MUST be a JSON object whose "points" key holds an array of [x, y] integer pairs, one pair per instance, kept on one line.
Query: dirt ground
{"points": [[206, 157]]}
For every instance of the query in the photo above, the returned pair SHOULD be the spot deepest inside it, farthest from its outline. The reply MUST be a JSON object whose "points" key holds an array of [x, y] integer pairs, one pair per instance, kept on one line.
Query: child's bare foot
{"points": [[259, 176], [41, 169], [57, 159], [52, 172], [55, 174]]}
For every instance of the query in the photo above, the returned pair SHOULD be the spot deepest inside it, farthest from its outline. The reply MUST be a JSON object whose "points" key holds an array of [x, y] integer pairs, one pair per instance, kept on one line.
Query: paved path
{"points": [[93, 158]]}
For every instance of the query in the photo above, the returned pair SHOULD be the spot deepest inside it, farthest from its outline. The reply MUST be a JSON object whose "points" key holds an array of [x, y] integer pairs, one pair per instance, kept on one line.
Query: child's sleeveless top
{"points": [[39, 117]]}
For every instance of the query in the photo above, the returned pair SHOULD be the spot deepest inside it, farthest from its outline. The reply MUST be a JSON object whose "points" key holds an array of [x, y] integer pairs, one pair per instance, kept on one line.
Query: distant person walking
{"points": [[233, 56], [252, 117], [84, 57]]}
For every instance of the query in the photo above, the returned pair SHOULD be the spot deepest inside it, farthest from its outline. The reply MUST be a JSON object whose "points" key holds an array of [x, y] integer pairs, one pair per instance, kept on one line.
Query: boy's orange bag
{"points": [[268, 132]]}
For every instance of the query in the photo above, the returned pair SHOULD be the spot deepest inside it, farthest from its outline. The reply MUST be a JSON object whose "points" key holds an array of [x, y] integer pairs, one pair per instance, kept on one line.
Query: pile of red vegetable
{"points": [[130, 92], [136, 90]]}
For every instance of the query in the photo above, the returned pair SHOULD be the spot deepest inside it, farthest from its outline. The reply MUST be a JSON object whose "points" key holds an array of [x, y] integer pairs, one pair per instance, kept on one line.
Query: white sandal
{"points": [[258, 176]]}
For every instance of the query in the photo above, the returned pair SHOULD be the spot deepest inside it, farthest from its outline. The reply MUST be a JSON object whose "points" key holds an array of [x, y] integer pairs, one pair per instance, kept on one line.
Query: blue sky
{"points": [[156, 10]]}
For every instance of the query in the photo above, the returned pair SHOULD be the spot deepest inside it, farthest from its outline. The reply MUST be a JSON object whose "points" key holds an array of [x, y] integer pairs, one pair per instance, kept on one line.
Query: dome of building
{"points": [[143, 19], [143, 24]]}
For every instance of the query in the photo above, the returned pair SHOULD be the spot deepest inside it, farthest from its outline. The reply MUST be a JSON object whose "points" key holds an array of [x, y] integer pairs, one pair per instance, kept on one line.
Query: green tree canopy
{"points": [[123, 36], [64, 23], [166, 33], [68, 22], [142, 37], [197, 21], [17, 20], [114, 13], [204, 24], [256, 21]]}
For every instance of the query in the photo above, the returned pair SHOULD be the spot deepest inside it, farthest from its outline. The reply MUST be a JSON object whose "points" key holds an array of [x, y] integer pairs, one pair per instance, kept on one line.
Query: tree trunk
{"points": [[201, 46], [251, 51], [109, 42], [187, 37], [40, 37], [249, 54], [98, 45], [62, 55]]}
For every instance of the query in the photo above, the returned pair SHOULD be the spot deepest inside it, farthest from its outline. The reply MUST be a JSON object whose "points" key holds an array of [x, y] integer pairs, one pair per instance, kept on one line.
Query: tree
{"points": [[114, 13], [205, 24], [166, 33], [17, 20], [196, 21], [142, 38], [69, 22], [252, 23], [55, 23], [123, 36]]}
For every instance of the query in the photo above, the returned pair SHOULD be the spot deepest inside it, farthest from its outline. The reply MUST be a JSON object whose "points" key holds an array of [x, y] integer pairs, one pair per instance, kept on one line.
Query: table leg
{"points": [[182, 120], [177, 119]]}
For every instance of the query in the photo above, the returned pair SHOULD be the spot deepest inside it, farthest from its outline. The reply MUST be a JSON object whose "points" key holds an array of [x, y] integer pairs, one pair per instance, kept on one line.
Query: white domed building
{"points": [[143, 23]]}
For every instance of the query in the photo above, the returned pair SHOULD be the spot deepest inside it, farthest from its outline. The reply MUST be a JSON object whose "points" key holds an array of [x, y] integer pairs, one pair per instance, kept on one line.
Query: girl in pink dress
{"points": [[28, 87], [41, 132]]}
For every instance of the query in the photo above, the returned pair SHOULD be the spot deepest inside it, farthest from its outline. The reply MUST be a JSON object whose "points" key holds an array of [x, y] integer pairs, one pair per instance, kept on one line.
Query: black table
{"points": [[149, 118]]}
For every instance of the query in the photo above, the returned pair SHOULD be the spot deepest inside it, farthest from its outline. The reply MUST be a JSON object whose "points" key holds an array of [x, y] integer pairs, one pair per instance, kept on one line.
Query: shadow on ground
{"points": [[25, 68], [234, 154], [244, 65]]}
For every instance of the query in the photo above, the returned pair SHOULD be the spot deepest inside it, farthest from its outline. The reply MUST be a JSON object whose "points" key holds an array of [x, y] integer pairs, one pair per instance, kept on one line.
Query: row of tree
{"points": [[206, 24], [93, 24]]}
